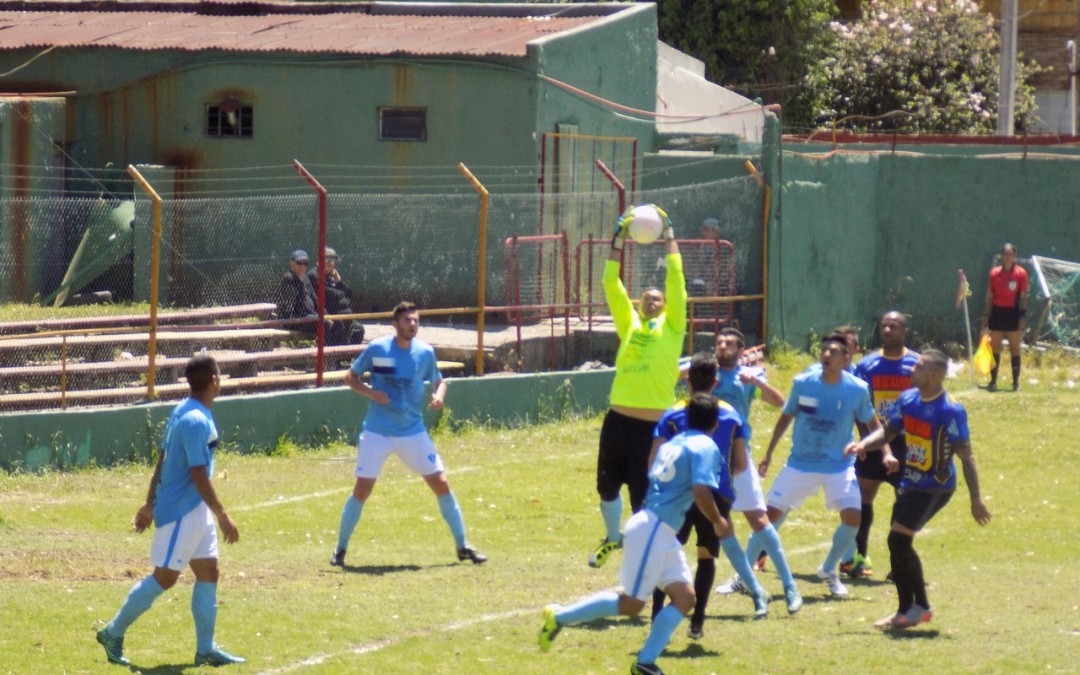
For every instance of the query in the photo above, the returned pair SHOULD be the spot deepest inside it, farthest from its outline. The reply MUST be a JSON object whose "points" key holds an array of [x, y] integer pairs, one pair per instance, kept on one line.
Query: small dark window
{"points": [[402, 124], [229, 121]]}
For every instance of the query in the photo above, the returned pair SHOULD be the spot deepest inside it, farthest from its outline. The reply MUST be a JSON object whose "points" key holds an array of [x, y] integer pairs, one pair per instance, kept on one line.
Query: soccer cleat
{"points": [[338, 558], [603, 552], [838, 589], [645, 669], [1016, 386], [794, 599], [888, 622], [845, 566], [470, 553], [114, 647], [761, 605], [860, 567], [218, 657], [697, 631], [733, 585], [914, 616], [549, 630], [759, 564], [992, 386]]}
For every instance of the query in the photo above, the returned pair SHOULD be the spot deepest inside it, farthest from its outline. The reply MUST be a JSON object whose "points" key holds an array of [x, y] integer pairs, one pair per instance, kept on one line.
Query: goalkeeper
{"points": [[646, 370]]}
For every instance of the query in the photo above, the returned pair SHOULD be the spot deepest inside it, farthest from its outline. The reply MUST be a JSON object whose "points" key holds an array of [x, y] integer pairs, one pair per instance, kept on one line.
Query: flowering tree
{"points": [[935, 61]]}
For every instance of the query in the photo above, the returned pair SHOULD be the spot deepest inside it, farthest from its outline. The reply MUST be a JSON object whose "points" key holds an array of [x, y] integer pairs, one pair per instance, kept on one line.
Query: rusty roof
{"points": [[368, 29]]}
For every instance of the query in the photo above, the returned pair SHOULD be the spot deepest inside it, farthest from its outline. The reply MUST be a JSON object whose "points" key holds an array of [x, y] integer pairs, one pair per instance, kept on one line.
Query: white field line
{"points": [[371, 647], [345, 487]]}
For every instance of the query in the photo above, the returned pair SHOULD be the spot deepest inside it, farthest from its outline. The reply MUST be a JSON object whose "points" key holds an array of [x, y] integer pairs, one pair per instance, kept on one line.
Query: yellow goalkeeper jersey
{"points": [[647, 363]]}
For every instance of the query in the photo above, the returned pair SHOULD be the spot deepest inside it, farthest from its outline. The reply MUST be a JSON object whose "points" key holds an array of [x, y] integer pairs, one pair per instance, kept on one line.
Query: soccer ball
{"points": [[646, 224]]}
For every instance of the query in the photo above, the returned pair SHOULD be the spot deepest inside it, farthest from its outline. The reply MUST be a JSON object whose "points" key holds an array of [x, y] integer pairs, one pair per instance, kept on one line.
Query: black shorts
{"points": [[706, 535], [1004, 319], [625, 443], [873, 467], [914, 508]]}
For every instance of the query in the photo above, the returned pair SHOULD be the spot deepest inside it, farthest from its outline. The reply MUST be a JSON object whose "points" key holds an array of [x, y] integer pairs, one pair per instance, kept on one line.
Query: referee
{"points": [[1006, 309]]}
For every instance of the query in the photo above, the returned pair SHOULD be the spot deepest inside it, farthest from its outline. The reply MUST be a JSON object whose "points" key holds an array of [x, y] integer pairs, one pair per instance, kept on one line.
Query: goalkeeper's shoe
{"points": [[470, 553], [860, 567], [114, 647], [603, 552], [549, 630], [218, 657]]}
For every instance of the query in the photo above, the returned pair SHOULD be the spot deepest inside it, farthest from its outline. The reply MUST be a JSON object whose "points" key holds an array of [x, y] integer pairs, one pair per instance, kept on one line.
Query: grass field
{"points": [[1005, 597]]}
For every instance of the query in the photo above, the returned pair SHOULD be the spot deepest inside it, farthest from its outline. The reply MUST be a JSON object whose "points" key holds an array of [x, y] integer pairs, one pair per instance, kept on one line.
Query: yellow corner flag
{"points": [[964, 291]]}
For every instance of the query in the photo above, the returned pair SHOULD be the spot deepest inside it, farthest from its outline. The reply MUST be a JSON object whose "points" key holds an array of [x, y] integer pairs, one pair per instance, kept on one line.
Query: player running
{"points": [[683, 473]]}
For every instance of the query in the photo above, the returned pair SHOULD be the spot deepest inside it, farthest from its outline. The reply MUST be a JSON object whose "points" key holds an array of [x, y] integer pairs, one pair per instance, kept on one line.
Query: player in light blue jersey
{"points": [[400, 365], [683, 472], [936, 429], [739, 385], [729, 438], [824, 405], [181, 503]]}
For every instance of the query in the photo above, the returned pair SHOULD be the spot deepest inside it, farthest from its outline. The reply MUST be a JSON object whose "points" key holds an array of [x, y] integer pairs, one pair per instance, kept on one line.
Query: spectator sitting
{"points": [[339, 299], [295, 295]]}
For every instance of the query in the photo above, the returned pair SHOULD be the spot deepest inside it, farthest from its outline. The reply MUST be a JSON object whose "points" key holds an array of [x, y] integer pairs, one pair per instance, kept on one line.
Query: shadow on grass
{"points": [[612, 622], [692, 650], [164, 669], [380, 570], [913, 634]]}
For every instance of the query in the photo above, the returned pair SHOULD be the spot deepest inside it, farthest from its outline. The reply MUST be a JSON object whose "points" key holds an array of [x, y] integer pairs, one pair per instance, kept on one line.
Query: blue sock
{"points": [[849, 552], [451, 513], [605, 603], [755, 544], [663, 626], [350, 516], [842, 538], [612, 513], [139, 598], [204, 611], [770, 540], [738, 560]]}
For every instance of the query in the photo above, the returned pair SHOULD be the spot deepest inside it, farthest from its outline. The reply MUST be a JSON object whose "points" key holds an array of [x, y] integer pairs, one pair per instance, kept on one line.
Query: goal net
{"points": [[1059, 286]]}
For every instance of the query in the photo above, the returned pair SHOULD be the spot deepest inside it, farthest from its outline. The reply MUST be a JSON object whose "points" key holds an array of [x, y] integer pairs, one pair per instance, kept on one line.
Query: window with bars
{"points": [[234, 120], [402, 124]]}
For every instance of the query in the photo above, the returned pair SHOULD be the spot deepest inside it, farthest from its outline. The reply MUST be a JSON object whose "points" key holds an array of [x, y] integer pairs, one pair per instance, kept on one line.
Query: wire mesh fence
{"points": [[225, 244]]}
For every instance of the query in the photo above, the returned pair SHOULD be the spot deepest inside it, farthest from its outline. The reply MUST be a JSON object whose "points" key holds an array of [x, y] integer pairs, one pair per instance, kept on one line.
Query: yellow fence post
{"points": [[155, 267], [481, 266]]}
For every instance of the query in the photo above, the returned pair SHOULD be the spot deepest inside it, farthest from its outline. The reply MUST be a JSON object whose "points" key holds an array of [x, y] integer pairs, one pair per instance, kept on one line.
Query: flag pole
{"points": [[964, 292]]}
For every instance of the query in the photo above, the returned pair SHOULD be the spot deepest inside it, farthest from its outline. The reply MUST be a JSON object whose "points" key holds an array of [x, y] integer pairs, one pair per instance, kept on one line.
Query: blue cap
{"points": [[299, 255]]}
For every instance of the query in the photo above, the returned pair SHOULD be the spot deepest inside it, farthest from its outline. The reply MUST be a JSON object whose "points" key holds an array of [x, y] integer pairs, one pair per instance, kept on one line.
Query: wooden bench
{"points": [[173, 343], [259, 311], [168, 392]]}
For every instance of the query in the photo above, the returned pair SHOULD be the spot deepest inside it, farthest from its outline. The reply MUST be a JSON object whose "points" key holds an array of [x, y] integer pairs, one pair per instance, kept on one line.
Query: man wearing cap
{"points": [[339, 298], [295, 295]]}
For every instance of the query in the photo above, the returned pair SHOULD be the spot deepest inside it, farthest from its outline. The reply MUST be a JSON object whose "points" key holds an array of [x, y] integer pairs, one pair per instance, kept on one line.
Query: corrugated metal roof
{"points": [[345, 32]]}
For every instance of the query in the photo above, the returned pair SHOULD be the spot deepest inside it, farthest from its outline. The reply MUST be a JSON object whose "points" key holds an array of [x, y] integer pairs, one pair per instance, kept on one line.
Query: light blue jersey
{"points": [[189, 441], [401, 373], [689, 459], [824, 417], [738, 394]]}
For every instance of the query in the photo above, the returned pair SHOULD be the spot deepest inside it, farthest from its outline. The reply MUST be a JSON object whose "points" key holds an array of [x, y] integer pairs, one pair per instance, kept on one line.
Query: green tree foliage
{"points": [[935, 60], [760, 48]]}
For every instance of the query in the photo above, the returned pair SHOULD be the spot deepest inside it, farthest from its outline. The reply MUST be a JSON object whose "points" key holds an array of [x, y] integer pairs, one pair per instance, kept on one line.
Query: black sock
{"points": [[658, 598], [1016, 369], [862, 537], [994, 370], [918, 581], [900, 555], [703, 582]]}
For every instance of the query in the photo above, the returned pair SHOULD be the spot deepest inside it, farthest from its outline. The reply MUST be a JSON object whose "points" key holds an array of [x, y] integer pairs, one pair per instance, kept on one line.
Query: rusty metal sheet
{"points": [[353, 33]]}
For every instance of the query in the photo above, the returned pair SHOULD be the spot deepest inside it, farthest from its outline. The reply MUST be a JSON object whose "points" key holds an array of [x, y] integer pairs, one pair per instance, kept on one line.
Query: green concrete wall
{"points": [[78, 438], [863, 233]]}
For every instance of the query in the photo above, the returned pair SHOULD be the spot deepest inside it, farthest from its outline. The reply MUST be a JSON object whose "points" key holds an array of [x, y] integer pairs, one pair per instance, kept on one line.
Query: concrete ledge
{"points": [[67, 439]]}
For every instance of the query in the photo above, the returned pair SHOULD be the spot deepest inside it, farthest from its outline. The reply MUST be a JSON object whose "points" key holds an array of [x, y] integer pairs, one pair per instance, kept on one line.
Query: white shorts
{"points": [[417, 451], [652, 556], [792, 487], [748, 493], [193, 537]]}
